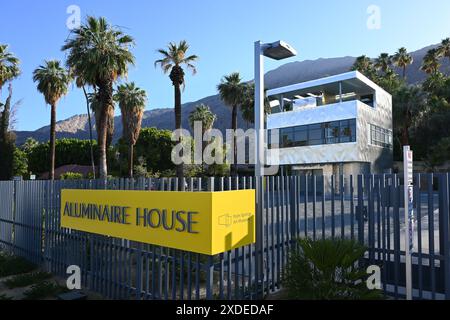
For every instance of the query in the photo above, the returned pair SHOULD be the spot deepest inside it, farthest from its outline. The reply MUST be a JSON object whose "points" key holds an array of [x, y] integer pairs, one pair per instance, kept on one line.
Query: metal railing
{"points": [[365, 208]]}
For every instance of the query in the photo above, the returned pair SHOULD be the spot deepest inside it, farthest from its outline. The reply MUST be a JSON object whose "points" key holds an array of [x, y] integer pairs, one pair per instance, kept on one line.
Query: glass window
{"points": [[347, 131], [368, 99], [380, 137], [287, 137], [315, 135], [269, 139], [331, 132], [301, 136], [325, 133]]}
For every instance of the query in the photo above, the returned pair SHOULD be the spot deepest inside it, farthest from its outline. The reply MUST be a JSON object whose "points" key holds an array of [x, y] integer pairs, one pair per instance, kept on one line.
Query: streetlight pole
{"points": [[259, 169], [259, 109], [277, 50]]}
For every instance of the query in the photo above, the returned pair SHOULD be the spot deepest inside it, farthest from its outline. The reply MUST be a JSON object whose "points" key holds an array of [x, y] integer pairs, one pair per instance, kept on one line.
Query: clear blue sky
{"points": [[222, 33]]}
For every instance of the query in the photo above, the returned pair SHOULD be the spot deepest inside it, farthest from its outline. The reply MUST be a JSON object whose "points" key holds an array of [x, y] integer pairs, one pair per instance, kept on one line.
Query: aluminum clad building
{"points": [[337, 125]]}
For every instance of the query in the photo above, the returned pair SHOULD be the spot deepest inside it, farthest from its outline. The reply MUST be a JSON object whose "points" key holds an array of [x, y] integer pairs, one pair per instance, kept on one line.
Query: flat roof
{"points": [[352, 81]]}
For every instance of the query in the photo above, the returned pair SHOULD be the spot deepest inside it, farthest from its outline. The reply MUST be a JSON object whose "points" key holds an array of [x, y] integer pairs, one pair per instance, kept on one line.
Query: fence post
{"points": [[210, 263], [444, 230], [371, 217], [259, 261], [360, 210], [293, 211]]}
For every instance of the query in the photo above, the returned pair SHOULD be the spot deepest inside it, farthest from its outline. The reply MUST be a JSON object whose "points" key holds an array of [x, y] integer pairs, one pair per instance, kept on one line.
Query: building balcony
{"points": [[326, 113]]}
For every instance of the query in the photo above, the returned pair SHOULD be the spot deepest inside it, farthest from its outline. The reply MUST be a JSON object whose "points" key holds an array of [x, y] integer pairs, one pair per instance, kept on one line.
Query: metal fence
{"points": [[365, 208]]}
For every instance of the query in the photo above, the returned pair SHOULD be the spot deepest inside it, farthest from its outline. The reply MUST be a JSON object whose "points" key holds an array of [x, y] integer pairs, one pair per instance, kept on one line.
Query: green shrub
{"points": [[20, 163], [24, 280], [12, 265], [155, 146], [68, 151], [327, 270], [44, 289], [4, 297], [71, 176]]}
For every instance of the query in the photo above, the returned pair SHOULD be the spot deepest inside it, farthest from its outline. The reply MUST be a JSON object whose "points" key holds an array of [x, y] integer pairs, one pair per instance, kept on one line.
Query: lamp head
{"points": [[279, 50]]}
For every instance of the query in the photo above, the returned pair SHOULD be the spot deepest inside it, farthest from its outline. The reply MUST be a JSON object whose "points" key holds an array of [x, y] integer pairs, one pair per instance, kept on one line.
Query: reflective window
{"points": [[318, 134], [380, 137]]}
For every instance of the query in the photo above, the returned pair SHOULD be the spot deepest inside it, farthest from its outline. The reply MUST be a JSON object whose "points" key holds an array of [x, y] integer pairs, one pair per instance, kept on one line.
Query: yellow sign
{"points": [[202, 222]]}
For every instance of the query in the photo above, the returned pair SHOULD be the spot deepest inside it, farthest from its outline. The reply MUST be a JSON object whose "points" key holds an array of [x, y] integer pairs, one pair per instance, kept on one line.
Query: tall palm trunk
{"points": [[130, 160], [90, 131], [234, 127], [405, 131], [204, 145], [52, 141], [106, 100], [180, 167], [404, 73], [405, 136], [5, 115]]}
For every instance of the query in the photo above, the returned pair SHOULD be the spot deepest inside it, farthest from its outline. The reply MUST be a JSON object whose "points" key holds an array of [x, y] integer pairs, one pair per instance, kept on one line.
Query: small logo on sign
{"points": [[226, 220]]}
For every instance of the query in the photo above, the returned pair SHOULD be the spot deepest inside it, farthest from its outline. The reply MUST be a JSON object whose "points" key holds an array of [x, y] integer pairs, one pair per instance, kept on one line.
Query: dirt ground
{"points": [[18, 293]]}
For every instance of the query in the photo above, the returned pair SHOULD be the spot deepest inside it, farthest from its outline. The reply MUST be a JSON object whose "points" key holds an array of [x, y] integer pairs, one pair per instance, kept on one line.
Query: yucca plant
{"points": [[327, 270]]}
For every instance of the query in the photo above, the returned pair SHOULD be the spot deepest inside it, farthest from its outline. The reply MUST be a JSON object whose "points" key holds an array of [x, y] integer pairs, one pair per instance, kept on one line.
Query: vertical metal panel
{"points": [[322, 200], [371, 217], [418, 200], [360, 210], [333, 222], [431, 234], [341, 194], [444, 228], [396, 225]]}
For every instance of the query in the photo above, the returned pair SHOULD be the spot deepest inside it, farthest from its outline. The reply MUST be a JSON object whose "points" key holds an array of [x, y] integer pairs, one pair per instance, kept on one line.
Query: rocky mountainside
{"points": [[294, 72]]}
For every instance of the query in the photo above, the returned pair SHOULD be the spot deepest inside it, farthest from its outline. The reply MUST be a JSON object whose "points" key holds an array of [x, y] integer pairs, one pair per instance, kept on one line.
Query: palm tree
{"points": [[100, 54], [402, 59], [383, 62], [203, 114], [52, 81], [431, 63], [365, 65], [409, 102], [390, 81], [9, 66], [444, 48], [9, 69], [132, 102], [5, 117], [248, 106], [80, 83], [435, 84], [95, 106], [233, 92], [173, 59]]}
